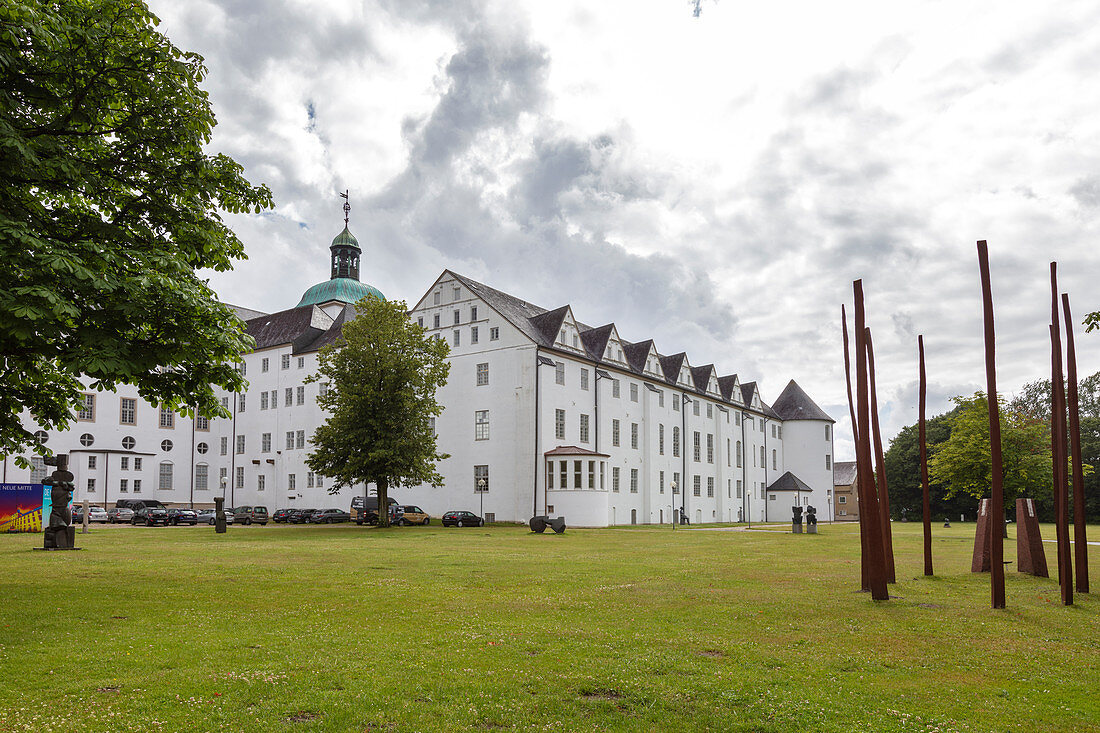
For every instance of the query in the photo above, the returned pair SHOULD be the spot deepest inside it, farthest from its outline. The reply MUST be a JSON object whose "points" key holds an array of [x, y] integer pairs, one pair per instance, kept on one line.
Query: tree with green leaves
{"points": [[961, 464], [903, 474], [383, 375], [108, 207]]}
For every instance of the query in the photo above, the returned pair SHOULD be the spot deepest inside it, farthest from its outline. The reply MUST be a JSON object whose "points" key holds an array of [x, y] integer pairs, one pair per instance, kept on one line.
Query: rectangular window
{"points": [[244, 368], [264, 364], [291, 481], [240, 444], [260, 481], [288, 396], [240, 403], [781, 432], [300, 439], [481, 425], [559, 424], [696, 486], [274, 398], [661, 481], [578, 474], [564, 467], [240, 477], [481, 479], [774, 465], [482, 374], [842, 500], [584, 428], [457, 293], [87, 408], [265, 443], [763, 460], [660, 399], [290, 440], [91, 462], [740, 489], [661, 439], [615, 388], [584, 379], [168, 418], [591, 474], [633, 481], [676, 482], [225, 446], [309, 479], [549, 474], [827, 432], [615, 432], [435, 321], [710, 486], [124, 485], [137, 486], [91, 486], [137, 464], [127, 411], [676, 441], [458, 317], [457, 337], [301, 362], [676, 404], [202, 423], [473, 335], [286, 361], [633, 392], [124, 462], [473, 312], [696, 447], [263, 400], [737, 418], [739, 454], [695, 408], [615, 479], [165, 476], [225, 402], [710, 448], [559, 372], [301, 396], [710, 411], [202, 476], [494, 333], [828, 463], [634, 435]]}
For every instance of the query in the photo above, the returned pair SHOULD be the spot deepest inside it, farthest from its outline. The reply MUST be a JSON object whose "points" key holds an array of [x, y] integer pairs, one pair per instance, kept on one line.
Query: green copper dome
{"points": [[339, 288], [345, 239]]}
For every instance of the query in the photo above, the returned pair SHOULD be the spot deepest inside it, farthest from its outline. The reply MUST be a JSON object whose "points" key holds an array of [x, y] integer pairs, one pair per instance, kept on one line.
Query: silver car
{"points": [[98, 514], [118, 514]]}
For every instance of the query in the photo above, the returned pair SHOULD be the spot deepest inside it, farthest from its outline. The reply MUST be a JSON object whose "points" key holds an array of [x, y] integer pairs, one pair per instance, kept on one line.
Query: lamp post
{"points": [[481, 494], [672, 507]]}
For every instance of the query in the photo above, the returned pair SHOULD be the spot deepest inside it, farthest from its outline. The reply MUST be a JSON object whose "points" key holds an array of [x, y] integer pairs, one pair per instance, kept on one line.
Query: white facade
{"points": [[624, 435]]}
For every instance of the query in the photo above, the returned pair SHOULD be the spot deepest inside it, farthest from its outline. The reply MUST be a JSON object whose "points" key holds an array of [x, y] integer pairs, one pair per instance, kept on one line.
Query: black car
{"points": [[149, 512], [329, 516], [180, 516], [281, 515], [462, 519], [299, 516]]}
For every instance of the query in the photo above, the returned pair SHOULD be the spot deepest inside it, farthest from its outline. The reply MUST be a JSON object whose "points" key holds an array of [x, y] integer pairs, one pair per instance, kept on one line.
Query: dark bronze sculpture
{"points": [[811, 520], [880, 468], [796, 519], [60, 534], [996, 509], [219, 514], [925, 494], [1058, 445], [1080, 543], [539, 524]]}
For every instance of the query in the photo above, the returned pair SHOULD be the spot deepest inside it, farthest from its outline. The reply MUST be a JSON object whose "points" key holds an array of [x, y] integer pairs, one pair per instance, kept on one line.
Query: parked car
{"points": [[97, 514], [403, 516], [461, 519], [330, 516], [149, 512], [250, 515], [208, 516], [280, 515], [119, 514], [180, 516], [364, 509], [300, 516], [78, 514]]}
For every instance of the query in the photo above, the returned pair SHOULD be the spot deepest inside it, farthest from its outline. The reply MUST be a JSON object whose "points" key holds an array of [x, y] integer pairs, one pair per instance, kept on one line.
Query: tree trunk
{"points": [[383, 502]]}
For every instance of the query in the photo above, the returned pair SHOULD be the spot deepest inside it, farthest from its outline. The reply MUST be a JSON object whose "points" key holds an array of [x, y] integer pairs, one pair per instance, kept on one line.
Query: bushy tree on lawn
{"points": [[108, 206], [383, 376], [903, 474]]}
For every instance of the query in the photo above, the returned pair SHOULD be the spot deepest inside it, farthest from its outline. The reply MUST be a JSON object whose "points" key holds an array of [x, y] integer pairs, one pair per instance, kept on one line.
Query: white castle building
{"points": [[542, 415]]}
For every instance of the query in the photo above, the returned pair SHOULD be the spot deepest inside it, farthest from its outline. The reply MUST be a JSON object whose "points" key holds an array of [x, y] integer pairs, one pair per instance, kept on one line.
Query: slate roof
{"points": [[726, 385], [794, 404], [844, 473], [789, 482], [700, 375], [636, 354], [306, 328], [572, 450], [518, 312]]}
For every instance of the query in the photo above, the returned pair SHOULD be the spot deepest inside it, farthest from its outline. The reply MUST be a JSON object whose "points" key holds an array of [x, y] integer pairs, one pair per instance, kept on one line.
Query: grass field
{"points": [[346, 628]]}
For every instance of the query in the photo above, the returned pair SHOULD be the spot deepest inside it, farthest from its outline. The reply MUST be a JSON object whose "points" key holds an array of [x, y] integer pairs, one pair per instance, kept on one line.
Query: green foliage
{"points": [[108, 206], [383, 376], [962, 464], [1034, 398], [903, 475]]}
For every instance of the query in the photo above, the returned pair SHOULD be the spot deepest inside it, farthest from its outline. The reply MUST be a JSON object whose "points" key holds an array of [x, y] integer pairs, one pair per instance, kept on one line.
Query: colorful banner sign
{"points": [[21, 507]]}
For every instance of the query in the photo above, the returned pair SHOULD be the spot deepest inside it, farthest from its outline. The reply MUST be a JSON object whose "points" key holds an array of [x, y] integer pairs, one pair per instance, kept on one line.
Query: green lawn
{"points": [[346, 628]]}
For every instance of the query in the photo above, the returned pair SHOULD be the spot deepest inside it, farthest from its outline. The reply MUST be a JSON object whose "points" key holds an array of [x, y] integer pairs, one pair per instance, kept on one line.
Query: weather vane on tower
{"points": [[347, 206]]}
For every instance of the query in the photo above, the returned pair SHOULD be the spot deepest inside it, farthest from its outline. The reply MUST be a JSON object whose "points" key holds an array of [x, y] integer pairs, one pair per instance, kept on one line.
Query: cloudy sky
{"points": [[714, 183]]}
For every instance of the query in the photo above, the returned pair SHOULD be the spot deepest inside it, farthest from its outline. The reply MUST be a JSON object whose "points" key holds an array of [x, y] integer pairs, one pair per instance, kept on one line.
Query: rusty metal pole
{"points": [[1058, 439], [1080, 543], [880, 469], [997, 509], [865, 554], [925, 494], [869, 500]]}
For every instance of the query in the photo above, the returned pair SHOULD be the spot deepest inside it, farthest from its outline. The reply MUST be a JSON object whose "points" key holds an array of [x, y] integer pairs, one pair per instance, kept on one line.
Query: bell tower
{"points": [[345, 249]]}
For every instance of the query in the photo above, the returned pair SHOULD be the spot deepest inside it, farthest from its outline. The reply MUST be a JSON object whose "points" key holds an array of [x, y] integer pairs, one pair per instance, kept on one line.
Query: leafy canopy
{"points": [[383, 376], [108, 206]]}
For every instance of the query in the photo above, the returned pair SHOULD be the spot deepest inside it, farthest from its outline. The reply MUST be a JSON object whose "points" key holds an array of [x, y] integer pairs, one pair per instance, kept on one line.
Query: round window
{"points": [[41, 436], [166, 445], [202, 447], [87, 439], [128, 443]]}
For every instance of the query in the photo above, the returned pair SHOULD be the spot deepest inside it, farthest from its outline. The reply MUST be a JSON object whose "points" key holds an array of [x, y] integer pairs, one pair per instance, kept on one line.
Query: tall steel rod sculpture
{"points": [[997, 511], [1058, 444], [925, 497], [868, 500], [880, 469], [865, 554], [1080, 544]]}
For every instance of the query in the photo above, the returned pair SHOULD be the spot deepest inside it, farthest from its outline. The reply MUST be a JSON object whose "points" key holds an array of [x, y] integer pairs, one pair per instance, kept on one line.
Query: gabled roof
{"points": [[636, 354], [747, 391], [728, 384], [844, 473], [287, 327], [573, 450], [789, 482], [331, 335], [548, 324], [595, 340], [795, 404], [700, 375], [671, 364]]}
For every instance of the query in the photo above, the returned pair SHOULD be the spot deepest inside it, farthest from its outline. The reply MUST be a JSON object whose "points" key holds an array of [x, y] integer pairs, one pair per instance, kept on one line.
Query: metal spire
{"points": [[347, 206]]}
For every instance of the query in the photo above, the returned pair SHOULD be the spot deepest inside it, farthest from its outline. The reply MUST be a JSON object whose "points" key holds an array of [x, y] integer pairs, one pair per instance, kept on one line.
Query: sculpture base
{"points": [[796, 527], [56, 549], [811, 529], [59, 538]]}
